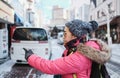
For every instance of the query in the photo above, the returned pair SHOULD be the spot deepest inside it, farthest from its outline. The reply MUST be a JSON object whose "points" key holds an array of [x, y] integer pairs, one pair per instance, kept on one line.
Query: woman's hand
{"points": [[27, 53]]}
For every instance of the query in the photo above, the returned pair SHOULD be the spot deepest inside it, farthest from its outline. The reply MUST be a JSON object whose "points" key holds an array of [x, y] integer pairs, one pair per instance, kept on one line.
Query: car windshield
{"points": [[30, 34]]}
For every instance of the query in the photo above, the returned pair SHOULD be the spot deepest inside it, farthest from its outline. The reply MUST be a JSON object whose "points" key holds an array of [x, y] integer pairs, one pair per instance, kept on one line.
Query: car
{"points": [[35, 39]]}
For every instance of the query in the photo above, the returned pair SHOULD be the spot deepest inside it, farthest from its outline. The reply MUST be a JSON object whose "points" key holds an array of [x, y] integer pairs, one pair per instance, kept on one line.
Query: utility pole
{"points": [[107, 14], [108, 28]]}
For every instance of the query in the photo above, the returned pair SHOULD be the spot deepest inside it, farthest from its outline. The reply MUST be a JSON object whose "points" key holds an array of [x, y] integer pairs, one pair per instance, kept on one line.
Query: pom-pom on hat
{"points": [[94, 25], [80, 28]]}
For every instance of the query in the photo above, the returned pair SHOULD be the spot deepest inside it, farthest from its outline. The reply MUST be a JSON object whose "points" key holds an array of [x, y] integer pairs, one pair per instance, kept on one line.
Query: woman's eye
{"points": [[64, 34]]}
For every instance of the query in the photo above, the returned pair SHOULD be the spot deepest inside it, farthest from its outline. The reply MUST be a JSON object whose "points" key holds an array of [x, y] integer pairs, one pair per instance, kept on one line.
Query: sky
{"points": [[47, 5]]}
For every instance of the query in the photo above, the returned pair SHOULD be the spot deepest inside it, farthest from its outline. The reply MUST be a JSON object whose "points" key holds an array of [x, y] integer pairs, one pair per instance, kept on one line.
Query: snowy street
{"points": [[114, 64]]}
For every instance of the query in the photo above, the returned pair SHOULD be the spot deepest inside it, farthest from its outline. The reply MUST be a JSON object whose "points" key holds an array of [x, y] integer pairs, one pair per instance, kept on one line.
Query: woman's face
{"points": [[68, 36]]}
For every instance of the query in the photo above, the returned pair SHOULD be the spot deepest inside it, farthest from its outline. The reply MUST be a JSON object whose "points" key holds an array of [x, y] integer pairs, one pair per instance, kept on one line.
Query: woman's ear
{"points": [[74, 37]]}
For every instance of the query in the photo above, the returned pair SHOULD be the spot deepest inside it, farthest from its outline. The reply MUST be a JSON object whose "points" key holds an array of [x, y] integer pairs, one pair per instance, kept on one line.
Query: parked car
{"points": [[60, 38], [35, 39]]}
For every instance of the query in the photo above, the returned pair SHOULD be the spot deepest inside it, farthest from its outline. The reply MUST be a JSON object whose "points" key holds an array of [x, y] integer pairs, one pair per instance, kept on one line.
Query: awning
{"points": [[18, 20], [115, 20]]}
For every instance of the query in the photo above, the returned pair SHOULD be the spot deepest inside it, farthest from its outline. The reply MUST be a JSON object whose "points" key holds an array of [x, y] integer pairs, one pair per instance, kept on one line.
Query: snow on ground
{"points": [[115, 48], [46, 76], [3, 68]]}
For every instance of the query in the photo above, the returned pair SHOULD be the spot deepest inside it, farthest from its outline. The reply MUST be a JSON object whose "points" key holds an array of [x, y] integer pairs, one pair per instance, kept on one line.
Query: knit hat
{"points": [[80, 28]]}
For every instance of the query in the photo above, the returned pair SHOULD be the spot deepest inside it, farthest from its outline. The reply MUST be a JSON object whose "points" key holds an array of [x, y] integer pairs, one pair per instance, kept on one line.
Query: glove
{"points": [[28, 53]]}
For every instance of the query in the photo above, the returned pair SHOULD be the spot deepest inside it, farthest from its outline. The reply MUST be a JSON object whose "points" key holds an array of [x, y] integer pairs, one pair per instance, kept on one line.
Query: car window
{"points": [[30, 34]]}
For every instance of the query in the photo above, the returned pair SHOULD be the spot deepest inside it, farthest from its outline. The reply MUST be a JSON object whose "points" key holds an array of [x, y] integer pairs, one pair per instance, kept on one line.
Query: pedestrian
{"points": [[98, 57], [114, 35], [73, 63], [101, 56]]}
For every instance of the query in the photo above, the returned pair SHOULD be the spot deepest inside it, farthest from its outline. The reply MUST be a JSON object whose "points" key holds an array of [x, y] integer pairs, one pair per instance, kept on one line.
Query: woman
{"points": [[72, 62]]}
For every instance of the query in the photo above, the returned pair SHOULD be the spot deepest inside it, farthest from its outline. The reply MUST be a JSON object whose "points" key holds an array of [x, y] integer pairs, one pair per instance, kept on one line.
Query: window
{"points": [[30, 34], [91, 17], [98, 14], [104, 0]]}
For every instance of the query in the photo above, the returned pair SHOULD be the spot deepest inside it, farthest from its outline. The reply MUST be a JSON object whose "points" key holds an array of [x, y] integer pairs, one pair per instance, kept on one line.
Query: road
{"points": [[11, 70], [113, 65]]}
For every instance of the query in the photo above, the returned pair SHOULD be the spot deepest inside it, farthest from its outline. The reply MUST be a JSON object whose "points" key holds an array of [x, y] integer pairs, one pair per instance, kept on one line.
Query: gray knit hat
{"points": [[80, 28]]}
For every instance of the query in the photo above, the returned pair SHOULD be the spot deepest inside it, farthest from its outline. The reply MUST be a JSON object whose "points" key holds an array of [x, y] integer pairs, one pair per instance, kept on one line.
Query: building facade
{"points": [[79, 10], [59, 17], [6, 18], [107, 14], [16, 13], [26, 12], [6, 13]]}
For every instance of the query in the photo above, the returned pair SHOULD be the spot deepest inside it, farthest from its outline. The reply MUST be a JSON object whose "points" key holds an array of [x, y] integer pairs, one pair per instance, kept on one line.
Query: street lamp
{"points": [[106, 13]]}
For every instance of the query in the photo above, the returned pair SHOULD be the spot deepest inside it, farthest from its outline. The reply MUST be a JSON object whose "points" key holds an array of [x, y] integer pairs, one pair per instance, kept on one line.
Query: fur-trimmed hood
{"points": [[100, 56]]}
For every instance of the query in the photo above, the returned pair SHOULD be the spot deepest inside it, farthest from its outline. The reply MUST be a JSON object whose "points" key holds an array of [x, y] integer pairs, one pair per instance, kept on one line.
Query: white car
{"points": [[35, 39]]}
